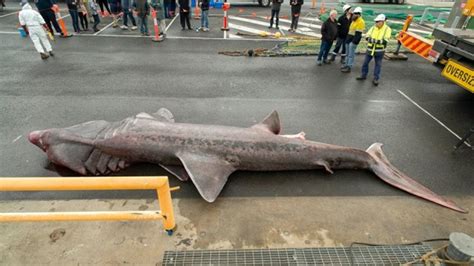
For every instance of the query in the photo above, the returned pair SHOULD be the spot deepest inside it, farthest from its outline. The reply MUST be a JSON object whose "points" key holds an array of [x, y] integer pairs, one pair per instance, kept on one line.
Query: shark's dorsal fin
{"points": [[270, 123], [208, 173], [164, 115]]}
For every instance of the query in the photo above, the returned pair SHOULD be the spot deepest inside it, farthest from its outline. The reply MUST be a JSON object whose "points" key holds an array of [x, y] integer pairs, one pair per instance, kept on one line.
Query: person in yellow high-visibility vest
{"points": [[377, 39]]}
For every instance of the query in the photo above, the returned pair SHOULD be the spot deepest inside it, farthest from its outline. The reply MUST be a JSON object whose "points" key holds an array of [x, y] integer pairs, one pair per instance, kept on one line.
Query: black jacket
{"points": [[184, 4], [329, 30], [343, 24], [44, 5], [276, 4], [296, 6], [205, 5]]}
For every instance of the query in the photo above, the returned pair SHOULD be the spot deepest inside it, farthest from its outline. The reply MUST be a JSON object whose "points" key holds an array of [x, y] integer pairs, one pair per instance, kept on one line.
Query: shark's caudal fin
{"points": [[388, 173]]}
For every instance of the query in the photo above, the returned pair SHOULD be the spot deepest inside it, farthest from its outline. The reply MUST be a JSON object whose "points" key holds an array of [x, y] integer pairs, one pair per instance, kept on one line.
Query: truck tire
{"points": [[264, 3]]}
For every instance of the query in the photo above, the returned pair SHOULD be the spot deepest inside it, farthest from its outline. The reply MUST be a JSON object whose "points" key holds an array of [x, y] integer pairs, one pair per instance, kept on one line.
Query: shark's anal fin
{"points": [[177, 171], [271, 123], [208, 173]]}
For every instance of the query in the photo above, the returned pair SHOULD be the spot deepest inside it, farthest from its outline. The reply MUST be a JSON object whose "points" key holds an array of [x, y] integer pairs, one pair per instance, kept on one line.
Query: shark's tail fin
{"points": [[388, 173]]}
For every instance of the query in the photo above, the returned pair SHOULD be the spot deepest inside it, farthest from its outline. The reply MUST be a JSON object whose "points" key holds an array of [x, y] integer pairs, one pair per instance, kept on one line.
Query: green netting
{"points": [[401, 14], [300, 47]]}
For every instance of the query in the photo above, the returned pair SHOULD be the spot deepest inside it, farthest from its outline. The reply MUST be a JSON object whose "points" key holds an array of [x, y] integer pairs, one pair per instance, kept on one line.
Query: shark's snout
{"points": [[35, 138]]}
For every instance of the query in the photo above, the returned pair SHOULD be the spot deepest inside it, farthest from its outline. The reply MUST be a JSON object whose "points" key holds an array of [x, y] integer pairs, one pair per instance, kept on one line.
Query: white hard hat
{"points": [[357, 10], [346, 7], [380, 17]]}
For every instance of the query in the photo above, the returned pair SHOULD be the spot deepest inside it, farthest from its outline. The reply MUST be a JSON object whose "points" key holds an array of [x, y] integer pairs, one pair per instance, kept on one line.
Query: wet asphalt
{"points": [[110, 78]]}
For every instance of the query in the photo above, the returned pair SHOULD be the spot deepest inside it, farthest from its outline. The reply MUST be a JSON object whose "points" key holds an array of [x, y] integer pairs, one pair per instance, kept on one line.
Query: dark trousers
{"points": [[184, 18], [84, 21], [103, 3], [127, 13], [340, 44], [378, 56], [49, 17], [75, 19], [324, 50], [294, 20], [276, 15], [96, 21]]}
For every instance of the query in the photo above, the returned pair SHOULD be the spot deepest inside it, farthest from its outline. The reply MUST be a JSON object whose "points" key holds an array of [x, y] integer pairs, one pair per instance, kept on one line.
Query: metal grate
{"points": [[361, 255]]}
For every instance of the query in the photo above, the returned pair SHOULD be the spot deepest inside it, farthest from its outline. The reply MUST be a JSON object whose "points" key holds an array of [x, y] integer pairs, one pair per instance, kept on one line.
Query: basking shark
{"points": [[209, 154]]}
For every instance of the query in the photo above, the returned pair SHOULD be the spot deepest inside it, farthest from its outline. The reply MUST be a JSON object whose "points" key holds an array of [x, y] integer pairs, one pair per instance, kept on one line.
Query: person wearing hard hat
{"points": [[343, 23], [377, 39], [354, 36], [33, 24]]}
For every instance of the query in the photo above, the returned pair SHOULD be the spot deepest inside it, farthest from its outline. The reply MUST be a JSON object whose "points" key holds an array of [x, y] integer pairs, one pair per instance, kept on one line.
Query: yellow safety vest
{"points": [[376, 38]]}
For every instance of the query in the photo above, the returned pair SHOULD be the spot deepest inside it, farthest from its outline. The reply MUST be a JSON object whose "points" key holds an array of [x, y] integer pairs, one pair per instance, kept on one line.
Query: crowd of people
{"points": [[347, 31]]}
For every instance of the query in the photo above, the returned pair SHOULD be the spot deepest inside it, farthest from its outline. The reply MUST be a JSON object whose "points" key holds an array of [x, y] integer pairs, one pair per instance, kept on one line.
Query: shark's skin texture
{"points": [[209, 154]]}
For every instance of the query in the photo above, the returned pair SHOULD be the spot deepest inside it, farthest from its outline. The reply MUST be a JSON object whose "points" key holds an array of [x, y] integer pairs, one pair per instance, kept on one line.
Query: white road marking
{"points": [[9, 32], [169, 25], [252, 21], [9, 14], [169, 37], [233, 36], [244, 28], [104, 28], [433, 117], [17, 138], [310, 25]]}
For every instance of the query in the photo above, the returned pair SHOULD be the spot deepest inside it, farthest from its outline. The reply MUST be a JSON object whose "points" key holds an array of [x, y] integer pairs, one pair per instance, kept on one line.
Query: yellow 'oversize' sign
{"points": [[459, 74]]}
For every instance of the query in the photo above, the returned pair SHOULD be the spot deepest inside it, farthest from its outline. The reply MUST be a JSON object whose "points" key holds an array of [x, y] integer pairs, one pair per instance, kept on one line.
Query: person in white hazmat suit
{"points": [[33, 24]]}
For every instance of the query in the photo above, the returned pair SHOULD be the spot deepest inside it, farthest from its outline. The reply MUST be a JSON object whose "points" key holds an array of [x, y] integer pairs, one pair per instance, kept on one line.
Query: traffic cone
{"points": [[61, 23], [157, 37]]}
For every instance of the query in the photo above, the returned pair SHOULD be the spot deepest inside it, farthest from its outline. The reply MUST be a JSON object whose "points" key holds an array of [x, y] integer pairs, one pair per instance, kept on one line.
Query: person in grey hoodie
{"points": [[127, 13]]}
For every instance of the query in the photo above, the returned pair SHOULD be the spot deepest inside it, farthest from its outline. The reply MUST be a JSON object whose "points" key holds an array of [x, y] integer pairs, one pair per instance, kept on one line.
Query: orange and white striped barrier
{"points": [[415, 43], [157, 37], [225, 20], [60, 20]]}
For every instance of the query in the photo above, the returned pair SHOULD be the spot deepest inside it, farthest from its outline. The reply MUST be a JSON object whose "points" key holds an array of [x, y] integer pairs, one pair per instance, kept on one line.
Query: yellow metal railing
{"points": [[160, 184]]}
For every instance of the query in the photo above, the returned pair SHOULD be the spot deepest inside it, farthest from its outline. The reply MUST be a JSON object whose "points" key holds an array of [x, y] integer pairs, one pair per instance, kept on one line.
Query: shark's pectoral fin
{"points": [[209, 174], [177, 171], [270, 123]]}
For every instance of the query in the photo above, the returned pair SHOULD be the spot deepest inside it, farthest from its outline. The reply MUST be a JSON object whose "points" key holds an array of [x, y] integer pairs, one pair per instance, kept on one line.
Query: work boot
{"points": [[346, 69], [51, 53], [332, 58], [44, 56], [343, 60], [361, 78], [375, 82]]}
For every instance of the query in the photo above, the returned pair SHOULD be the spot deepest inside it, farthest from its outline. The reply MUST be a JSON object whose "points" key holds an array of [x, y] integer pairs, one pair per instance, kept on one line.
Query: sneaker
{"points": [[44, 56], [346, 69], [277, 27], [51, 53], [124, 27], [361, 78], [270, 26], [134, 28], [375, 82], [327, 62], [96, 30], [205, 29], [319, 63]]}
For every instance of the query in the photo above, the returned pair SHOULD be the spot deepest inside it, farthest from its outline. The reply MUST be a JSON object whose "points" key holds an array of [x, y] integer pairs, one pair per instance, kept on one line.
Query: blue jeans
{"points": [[324, 51], [75, 19], [205, 19], [378, 56], [143, 24], [350, 49], [126, 14]]}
